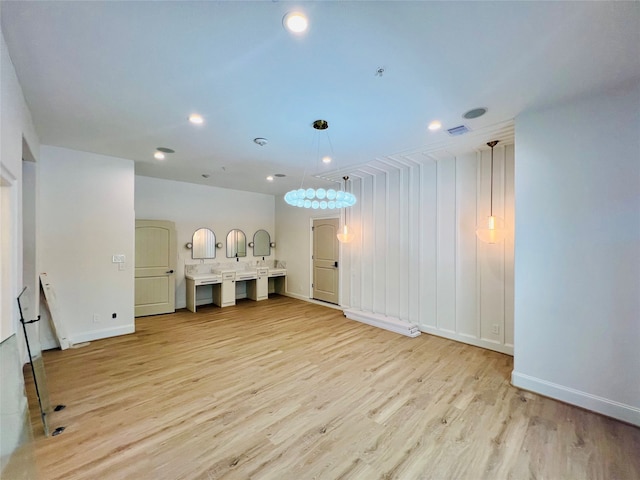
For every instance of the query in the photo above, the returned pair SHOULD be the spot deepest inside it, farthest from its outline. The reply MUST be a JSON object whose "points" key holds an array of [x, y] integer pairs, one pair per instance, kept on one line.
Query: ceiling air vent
{"points": [[460, 130]]}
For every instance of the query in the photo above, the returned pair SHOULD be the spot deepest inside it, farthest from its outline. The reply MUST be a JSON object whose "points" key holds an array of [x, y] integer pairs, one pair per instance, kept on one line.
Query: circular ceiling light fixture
{"points": [[270, 178], [295, 22], [260, 141], [326, 160], [196, 119], [205, 175], [279, 175], [475, 113], [160, 151], [320, 198], [435, 125]]}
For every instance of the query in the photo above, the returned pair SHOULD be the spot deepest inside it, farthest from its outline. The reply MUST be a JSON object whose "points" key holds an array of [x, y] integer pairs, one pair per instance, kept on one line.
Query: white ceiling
{"points": [[121, 78]]}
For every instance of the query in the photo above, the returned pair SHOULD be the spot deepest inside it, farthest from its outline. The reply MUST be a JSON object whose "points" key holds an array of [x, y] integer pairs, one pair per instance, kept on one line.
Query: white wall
{"points": [[16, 127], [577, 276], [415, 256], [294, 231], [193, 206], [86, 216]]}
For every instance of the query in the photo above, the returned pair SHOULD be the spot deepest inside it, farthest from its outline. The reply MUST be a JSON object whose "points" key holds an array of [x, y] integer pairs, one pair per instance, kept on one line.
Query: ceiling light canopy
{"points": [[295, 22]]}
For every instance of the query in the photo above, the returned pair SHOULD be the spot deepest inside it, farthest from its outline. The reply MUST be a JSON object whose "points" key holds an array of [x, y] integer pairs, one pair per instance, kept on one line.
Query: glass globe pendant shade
{"points": [[319, 198], [345, 236], [491, 230]]}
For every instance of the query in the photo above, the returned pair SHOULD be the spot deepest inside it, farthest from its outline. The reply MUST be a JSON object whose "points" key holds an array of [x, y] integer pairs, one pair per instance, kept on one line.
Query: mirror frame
{"points": [[265, 244], [233, 243], [208, 248]]}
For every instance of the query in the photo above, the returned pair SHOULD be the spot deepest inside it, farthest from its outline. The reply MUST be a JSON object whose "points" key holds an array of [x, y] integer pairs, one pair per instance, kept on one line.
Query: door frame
{"points": [[337, 216]]}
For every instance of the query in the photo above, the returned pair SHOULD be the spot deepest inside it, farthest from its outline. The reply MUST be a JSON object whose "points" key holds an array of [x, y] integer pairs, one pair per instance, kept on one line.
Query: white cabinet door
{"points": [[228, 293]]}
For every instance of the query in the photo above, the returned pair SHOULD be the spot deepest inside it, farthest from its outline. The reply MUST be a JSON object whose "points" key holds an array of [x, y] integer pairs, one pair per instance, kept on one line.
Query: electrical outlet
{"points": [[96, 318], [495, 329]]}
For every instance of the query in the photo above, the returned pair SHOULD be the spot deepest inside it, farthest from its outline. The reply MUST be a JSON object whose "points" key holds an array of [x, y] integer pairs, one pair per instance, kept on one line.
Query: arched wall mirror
{"points": [[203, 244], [261, 244], [236, 244]]}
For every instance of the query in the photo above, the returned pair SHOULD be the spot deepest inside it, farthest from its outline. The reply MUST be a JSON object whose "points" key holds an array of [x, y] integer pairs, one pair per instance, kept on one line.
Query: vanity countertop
{"points": [[204, 277]]}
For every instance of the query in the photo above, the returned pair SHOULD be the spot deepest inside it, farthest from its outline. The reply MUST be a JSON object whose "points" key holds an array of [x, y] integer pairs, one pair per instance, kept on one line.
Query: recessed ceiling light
{"points": [[326, 159], [475, 113], [270, 178], [435, 125], [205, 175], [279, 175], [165, 150], [158, 156], [196, 119], [295, 22], [260, 141]]}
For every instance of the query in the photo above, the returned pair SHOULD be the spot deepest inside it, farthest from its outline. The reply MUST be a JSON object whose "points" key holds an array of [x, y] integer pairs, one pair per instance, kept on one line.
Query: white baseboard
{"points": [[392, 324], [605, 406], [476, 342], [311, 300], [99, 334]]}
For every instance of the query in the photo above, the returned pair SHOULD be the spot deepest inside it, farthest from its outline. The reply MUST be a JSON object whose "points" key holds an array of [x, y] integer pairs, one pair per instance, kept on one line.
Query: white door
{"points": [[155, 280], [325, 259]]}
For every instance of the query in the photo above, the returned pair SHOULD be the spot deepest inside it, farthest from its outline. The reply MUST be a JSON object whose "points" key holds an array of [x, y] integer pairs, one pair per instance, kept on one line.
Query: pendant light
{"points": [[491, 229], [319, 198], [345, 236]]}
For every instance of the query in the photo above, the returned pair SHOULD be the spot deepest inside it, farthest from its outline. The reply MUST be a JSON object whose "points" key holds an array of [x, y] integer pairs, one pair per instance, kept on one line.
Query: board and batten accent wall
{"points": [[416, 257]]}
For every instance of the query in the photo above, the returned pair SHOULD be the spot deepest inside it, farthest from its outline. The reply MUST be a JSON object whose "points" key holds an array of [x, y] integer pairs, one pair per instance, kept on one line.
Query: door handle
{"points": [[335, 264], [170, 271]]}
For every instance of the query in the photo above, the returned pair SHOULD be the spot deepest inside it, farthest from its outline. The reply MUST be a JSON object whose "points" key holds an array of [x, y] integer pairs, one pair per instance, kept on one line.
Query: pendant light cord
{"points": [[491, 144]]}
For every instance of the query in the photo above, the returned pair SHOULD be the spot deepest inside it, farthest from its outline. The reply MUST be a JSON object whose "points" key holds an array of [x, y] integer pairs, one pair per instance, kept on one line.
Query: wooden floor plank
{"points": [[284, 389]]}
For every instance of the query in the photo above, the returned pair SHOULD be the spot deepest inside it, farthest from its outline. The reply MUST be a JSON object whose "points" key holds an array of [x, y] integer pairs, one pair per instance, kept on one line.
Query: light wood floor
{"points": [[284, 389]]}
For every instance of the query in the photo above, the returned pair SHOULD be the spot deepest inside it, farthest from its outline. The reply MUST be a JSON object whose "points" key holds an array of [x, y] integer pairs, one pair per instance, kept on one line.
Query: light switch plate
{"points": [[117, 259]]}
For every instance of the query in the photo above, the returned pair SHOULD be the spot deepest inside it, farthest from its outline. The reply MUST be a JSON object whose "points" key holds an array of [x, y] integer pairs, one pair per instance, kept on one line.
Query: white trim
{"points": [[477, 342], [392, 324], [312, 300], [100, 334], [605, 406]]}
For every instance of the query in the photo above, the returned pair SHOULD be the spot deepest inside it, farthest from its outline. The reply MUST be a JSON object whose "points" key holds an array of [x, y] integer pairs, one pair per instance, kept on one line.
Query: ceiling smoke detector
{"points": [[475, 113], [260, 141]]}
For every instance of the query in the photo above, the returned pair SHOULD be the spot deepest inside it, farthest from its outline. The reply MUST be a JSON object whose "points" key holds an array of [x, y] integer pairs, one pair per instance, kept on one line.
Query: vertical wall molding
{"points": [[420, 212]]}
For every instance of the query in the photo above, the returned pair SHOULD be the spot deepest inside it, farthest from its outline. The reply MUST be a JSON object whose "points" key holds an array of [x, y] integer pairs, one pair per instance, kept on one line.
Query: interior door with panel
{"points": [[155, 283], [325, 259]]}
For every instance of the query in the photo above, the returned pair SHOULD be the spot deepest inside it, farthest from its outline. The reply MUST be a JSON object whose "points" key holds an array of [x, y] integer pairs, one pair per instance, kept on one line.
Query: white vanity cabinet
{"points": [[259, 289], [200, 279], [225, 296]]}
